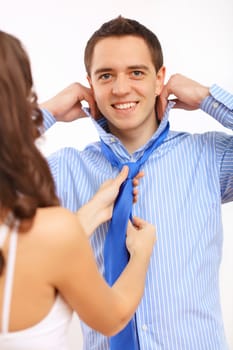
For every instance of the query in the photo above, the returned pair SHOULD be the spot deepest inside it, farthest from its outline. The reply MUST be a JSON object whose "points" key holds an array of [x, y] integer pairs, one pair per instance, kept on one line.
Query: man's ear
{"points": [[97, 115], [89, 81], [160, 77]]}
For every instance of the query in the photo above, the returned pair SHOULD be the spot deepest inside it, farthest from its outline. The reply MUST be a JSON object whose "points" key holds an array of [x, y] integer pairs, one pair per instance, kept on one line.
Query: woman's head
{"points": [[18, 102], [26, 182]]}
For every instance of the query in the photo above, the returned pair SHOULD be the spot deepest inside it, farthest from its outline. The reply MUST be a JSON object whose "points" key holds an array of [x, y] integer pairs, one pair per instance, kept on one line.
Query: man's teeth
{"points": [[125, 105]]}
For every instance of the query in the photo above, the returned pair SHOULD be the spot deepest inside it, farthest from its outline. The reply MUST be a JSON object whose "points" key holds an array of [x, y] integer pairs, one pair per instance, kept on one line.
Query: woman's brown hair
{"points": [[25, 179]]}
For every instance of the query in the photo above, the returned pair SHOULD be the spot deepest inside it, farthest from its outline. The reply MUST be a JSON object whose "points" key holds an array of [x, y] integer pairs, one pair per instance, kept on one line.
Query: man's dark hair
{"points": [[120, 27]]}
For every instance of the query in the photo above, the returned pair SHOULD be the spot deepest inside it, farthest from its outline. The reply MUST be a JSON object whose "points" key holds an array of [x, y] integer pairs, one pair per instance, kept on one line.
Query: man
{"points": [[186, 179]]}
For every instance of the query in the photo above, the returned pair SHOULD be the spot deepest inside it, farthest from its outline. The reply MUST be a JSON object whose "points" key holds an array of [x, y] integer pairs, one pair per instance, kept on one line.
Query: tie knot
{"points": [[134, 168]]}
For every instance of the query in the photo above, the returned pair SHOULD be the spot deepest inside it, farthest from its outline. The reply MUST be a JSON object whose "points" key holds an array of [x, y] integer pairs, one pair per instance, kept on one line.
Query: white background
{"points": [[197, 40]]}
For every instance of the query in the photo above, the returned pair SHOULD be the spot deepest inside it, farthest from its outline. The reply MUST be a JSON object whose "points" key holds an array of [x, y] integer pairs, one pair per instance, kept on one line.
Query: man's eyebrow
{"points": [[139, 66], [103, 70], [108, 69]]}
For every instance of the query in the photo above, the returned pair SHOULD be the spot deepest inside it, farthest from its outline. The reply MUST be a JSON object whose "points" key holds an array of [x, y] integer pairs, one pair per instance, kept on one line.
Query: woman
{"points": [[46, 264]]}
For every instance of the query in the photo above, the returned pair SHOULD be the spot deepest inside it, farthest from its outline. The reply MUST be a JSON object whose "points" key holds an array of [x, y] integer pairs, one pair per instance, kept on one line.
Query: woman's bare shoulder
{"points": [[56, 221]]}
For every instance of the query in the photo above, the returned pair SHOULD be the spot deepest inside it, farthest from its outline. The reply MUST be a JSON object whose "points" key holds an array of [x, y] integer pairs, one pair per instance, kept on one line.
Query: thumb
{"points": [[122, 176], [138, 222]]}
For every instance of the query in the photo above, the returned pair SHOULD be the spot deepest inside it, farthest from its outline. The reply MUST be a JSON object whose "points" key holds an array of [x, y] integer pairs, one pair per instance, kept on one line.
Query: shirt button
{"points": [[215, 105], [144, 327], [112, 140]]}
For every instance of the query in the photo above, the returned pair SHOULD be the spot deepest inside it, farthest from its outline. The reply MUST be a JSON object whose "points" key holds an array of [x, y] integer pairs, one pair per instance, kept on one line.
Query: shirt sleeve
{"points": [[220, 106], [48, 118], [61, 165]]}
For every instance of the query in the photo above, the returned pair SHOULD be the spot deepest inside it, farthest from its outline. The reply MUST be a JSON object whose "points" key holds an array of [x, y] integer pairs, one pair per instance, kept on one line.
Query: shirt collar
{"points": [[108, 138]]}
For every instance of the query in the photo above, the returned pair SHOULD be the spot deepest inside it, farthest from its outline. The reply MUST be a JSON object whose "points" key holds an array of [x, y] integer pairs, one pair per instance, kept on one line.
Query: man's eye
{"points": [[105, 76], [137, 73]]}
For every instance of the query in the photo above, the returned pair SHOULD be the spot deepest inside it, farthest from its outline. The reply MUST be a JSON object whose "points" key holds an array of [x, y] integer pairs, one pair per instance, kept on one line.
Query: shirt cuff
{"points": [[49, 119], [219, 104]]}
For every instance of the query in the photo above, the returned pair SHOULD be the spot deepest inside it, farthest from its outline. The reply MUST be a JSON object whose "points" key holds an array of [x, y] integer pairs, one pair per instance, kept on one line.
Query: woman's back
{"points": [[34, 315]]}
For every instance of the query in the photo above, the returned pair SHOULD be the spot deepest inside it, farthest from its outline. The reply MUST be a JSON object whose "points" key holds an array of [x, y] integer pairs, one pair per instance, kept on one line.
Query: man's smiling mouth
{"points": [[126, 105]]}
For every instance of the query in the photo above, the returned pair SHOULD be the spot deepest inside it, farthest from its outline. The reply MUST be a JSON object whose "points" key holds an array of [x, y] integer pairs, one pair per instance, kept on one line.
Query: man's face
{"points": [[125, 85]]}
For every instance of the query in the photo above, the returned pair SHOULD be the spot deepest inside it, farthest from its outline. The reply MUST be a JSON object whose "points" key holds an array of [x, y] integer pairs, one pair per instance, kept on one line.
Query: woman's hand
{"points": [[99, 209], [140, 237], [108, 192]]}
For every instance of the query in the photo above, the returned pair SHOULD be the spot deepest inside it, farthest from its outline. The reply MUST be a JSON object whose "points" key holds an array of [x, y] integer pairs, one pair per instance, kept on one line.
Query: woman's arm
{"points": [[76, 276]]}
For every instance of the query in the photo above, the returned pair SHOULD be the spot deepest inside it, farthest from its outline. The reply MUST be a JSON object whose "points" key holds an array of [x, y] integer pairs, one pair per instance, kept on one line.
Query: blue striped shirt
{"points": [[186, 180]]}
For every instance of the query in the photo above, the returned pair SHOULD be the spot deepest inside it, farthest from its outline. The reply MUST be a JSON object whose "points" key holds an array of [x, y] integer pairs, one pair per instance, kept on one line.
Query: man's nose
{"points": [[121, 85]]}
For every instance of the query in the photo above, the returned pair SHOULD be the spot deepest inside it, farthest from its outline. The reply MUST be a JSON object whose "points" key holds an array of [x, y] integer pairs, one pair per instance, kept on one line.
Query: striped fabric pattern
{"points": [[186, 180]]}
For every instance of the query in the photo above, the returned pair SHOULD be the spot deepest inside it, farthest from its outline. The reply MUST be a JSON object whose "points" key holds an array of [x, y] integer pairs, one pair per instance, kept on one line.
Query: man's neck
{"points": [[135, 138]]}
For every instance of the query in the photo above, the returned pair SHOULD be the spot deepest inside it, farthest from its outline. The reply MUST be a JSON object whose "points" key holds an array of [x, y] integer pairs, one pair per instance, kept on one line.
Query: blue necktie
{"points": [[116, 255]]}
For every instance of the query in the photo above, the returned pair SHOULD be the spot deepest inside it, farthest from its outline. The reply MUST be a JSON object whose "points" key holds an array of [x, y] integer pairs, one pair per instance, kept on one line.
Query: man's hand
{"points": [[188, 94], [66, 105]]}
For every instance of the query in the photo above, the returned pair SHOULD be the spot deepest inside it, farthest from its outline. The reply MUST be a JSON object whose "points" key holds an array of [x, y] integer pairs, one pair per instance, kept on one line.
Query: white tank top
{"points": [[48, 334]]}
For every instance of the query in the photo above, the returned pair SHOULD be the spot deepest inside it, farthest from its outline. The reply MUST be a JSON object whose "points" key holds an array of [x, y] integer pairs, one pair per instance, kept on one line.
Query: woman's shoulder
{"points": [[56, 212], [55, 233], [56, 223]]}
